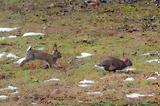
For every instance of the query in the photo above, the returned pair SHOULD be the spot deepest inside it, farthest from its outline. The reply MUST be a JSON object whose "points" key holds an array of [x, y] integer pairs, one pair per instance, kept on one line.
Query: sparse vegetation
{"points": [[108, 30]]}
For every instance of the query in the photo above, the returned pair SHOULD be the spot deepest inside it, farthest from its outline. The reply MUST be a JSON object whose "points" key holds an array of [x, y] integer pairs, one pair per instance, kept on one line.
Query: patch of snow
{"points": [[151, 53], [3, 97], [11, 36], [11, 55], [33, 103], [52, 79], [99, 67], [84, 55], [33, 34], [19, 61], [9, 88], [84, 85], [151, 78], [94, 93], [8, 55], [7, 29], [134, 95], [137, 95], [130, 69], [87, 82], [153, 60], [12, 88], [2, 55], [129, 79]]}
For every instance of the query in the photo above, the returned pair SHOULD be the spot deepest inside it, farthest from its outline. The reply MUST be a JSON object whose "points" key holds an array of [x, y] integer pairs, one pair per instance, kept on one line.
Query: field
{"points": [[107, 30]]}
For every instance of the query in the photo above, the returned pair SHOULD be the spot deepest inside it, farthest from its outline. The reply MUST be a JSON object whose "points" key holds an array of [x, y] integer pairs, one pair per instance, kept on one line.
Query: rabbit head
{"points": [[126, 60]]}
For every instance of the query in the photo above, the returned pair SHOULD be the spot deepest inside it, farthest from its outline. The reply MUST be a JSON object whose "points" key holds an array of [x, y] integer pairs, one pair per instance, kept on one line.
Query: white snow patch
{"points": [[8, 55], [11, 55], [84, 55], [99, 67], [87, 82], [151, 53], [94, 93], [84, 85], [2, 55], [19, 61], [52, 79], [137, 95], [129, 79], [153, 60], [151, 78], [33, 34], [130, 69], [134, 95], [9, 88], [7, 29], [12, 88], [33, 103], [3, 97], [10, 36]]}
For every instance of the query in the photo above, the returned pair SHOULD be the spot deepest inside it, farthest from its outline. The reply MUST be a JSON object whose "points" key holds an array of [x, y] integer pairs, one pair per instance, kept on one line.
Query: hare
{"points": [[113, 64], [33, 54]]}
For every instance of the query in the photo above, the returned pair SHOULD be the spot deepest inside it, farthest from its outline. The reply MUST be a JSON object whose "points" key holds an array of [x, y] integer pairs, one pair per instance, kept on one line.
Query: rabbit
{"points": [[33, 54], [113, 64]]}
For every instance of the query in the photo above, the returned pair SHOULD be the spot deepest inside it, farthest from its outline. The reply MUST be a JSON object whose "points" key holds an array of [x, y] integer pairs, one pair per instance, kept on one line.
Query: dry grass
{"points": [[110, 29]]}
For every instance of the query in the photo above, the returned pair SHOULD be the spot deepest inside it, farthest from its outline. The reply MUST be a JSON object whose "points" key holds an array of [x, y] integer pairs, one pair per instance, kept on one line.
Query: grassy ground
{"points": [[110, 29]]}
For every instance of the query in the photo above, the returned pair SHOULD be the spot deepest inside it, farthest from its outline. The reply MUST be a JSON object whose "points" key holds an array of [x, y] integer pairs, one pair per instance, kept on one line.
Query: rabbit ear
{"points": [[125, 56], [55, 47], [29, 48]]}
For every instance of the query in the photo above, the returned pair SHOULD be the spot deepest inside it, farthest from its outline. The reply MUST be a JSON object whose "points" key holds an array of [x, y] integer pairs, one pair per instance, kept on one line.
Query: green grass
{"points": [[68, 32]]}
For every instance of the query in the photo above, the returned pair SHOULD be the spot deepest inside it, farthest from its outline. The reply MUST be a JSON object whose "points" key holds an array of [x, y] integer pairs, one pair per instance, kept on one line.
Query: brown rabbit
{"points": [[113, 64], [33, 54]]}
